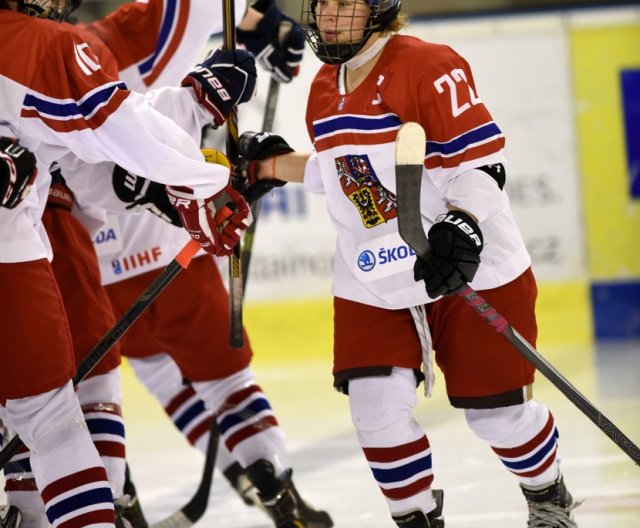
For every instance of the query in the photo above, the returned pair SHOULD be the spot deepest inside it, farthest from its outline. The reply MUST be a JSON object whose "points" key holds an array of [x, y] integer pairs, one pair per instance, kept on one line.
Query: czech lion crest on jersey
{"points": [[360, 184]]}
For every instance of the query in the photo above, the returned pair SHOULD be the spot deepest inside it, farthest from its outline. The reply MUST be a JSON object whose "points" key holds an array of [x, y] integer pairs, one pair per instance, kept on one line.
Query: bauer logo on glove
{"points": [[456, 242], [218, 222]]}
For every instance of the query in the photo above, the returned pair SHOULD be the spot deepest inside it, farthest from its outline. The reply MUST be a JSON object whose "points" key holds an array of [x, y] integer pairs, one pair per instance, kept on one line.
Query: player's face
{"points": [[341, 21]]}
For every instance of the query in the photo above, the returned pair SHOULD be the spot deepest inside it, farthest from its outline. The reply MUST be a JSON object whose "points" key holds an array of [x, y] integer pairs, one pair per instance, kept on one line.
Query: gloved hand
{"points": [[277, 42], [218, 222], [17, 172], [456, 242], [257, 146], [140, 192], [223, 80]]}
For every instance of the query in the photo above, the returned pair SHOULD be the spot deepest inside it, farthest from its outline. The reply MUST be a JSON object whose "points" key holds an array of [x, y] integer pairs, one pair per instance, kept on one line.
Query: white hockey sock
{"points": [[524, 437], [395, 446], [100, 398], [66, 466], [246, 421]]}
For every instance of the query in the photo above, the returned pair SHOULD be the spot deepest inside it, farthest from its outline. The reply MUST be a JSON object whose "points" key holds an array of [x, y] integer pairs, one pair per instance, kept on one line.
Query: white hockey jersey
{"points": [[154, 44], [353, 164], [56, 98]]}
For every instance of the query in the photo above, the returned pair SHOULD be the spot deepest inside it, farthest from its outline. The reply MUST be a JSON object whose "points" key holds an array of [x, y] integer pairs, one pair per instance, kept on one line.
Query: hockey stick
{"points": [[410, 152], [267, 126], [180, 262], [236, 338]]}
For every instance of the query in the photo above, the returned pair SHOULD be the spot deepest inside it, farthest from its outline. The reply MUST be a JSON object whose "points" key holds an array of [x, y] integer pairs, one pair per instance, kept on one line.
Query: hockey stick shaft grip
{"points": [[502, 326], [181, 261]]}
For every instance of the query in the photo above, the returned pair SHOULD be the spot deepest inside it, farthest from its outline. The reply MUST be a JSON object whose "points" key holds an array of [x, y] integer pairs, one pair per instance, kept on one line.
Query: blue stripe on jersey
{"points": [[18, 466], [168, 20], [255, 407], [189, 415], [85, 107], [78, 501], [353, 122], [536, 458], [458, 144], [105, 426], [400, 473]]}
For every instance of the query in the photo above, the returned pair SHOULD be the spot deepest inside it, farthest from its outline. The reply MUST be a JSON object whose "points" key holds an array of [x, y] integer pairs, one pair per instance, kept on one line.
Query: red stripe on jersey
{"points": [[253, 429], [540, 469], [409, 490], [178, 400], [238, 397], [76, 124], [75, 480], [531, 445], [479, 151], [21, 484], [393, 454], [355, 138], [96, 517], [110, 449], [181, 24], [199, 430]]}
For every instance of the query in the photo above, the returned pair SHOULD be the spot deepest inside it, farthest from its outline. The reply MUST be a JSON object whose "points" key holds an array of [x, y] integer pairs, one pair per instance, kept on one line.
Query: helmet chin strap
{"points": [[363, 57]]}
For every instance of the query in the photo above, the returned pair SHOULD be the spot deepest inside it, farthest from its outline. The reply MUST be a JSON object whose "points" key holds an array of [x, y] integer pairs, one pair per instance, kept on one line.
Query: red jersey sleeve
{"points": [[442, 97], [145, 34], [70, 90]]}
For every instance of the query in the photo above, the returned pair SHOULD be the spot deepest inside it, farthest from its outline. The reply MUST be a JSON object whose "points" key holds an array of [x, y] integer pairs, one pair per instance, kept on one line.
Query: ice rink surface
{"points": [[331, 472]]}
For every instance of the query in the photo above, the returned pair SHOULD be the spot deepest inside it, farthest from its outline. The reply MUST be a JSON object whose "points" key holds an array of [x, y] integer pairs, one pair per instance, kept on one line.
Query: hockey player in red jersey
{"points": [[57, 99], [374, 80], [177, 340], [133, 34]]}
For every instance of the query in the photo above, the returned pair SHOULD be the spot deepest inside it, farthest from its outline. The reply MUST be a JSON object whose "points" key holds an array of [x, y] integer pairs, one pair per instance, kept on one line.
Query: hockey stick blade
{"points": [[193, 511], [409, 152]]}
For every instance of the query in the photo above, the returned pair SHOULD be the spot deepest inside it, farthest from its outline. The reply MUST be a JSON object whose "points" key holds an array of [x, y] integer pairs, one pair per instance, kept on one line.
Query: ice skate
{"points": [[128, 509], [417, 518], [281, 500], [240, 482], [550, 507], [10, 517]]}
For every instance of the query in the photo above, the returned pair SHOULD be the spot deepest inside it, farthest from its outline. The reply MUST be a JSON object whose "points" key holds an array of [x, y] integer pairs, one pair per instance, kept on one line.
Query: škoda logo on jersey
{"points": [[359, 182]]}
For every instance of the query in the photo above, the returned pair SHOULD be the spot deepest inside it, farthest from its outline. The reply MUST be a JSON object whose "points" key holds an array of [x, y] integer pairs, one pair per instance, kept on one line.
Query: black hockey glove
{"points": [[277, 42], [456, 242], [255, 146], [17, 172], [140, 192], [223, 80]]}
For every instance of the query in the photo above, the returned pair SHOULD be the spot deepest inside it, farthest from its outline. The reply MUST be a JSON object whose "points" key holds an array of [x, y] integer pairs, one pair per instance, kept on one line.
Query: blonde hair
{"points": [[395, 25]]}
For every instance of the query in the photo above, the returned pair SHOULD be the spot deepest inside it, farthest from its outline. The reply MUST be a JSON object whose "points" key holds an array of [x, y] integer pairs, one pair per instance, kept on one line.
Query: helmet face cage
{"points": [[51, 9], [363, 24]]}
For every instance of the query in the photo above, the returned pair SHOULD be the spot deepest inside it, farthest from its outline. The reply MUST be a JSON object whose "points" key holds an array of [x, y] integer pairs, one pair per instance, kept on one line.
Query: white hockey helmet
{"points": [[381, 13]]}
